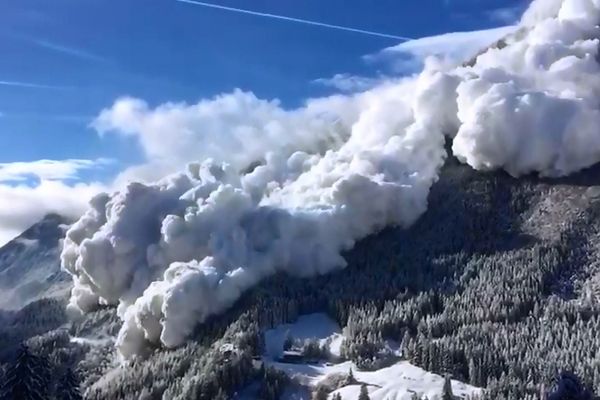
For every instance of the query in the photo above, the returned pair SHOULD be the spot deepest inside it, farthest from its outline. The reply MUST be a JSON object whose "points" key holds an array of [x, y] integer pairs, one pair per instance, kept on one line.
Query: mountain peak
{"points": [[48, 231], [30, 264]]}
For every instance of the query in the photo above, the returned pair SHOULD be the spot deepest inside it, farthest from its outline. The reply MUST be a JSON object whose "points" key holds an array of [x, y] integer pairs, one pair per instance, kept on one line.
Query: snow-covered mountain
{"points": [[30, 264]]}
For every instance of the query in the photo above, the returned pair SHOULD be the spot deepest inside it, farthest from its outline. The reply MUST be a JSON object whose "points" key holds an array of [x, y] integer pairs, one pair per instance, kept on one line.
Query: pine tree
{"points": [[288, 342], [364, 393], [447, 390], [68, 387], [569, 386], [350, 380], [337, 396], [221, 395], [320, 393], [26, 379]]}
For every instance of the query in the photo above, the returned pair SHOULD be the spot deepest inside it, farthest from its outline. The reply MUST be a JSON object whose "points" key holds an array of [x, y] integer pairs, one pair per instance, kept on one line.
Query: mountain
{"points": [[493, 283], [30, 264], [497, 284]]}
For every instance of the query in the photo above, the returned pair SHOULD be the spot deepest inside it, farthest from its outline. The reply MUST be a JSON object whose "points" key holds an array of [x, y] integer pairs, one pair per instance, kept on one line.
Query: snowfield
{"points": [[396, 382], [400, 382], [312, 326]]}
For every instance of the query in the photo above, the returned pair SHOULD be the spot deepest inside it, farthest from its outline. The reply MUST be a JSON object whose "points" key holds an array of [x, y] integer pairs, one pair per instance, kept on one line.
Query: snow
{"points": [[27, 242], [336, 344], [312, 326], [396, 382], [400, 381], [30, 266], [100, 341]]}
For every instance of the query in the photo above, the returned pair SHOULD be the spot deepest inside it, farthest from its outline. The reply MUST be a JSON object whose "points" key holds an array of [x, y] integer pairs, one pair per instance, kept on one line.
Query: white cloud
{"points": [[23, 205], [452, 47], [349, 83], [506, 15], [48, 169]]}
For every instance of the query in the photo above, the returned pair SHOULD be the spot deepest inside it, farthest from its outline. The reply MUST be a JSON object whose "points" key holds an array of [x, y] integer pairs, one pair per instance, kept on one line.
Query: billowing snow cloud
{"points": [[533, 105], [213, 231], [454, 47], [271, 190], [237, 128]]}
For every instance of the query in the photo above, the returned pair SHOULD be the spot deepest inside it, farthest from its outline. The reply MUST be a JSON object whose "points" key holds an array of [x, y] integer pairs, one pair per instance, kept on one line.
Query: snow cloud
{"points": [[237, 128], [271, 190], [452, 48]]}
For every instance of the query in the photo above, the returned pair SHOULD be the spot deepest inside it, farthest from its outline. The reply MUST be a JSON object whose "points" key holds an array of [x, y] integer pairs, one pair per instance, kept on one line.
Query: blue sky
{"points": [[63, 61]]}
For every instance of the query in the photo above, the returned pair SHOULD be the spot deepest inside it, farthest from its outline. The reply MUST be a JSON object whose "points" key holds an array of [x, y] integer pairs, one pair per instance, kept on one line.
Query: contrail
{"points": [[70, 51], [291, 19], [30, 85]]}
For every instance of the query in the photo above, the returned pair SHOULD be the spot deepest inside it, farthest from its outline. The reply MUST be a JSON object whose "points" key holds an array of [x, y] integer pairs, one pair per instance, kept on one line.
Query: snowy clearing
{"points": [[397, 382]]}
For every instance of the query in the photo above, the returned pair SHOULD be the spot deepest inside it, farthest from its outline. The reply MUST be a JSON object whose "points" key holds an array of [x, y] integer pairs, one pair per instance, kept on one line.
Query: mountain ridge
{"points": [[30, 264]]}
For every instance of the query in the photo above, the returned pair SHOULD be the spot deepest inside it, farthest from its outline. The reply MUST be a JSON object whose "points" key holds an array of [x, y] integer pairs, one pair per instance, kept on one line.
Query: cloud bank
{"points": [[30, 190], [48, 169], [21, 206], [276, 190]]}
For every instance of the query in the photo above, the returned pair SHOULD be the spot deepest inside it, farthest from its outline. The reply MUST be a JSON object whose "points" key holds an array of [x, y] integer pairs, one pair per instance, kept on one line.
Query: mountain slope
{"points": [[497, 284], [30, 264]]}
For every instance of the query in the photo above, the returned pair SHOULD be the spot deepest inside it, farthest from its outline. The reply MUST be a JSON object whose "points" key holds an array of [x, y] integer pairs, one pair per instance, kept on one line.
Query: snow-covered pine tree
{"points": [[364, 393], [26, 378], [350, 380], [288, 342], [447, 390], [569, 386], [68, 387], [320, 393]]}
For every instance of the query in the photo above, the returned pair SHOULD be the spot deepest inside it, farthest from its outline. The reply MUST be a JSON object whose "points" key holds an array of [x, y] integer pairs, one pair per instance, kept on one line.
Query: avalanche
{"points": [[289, 190]]}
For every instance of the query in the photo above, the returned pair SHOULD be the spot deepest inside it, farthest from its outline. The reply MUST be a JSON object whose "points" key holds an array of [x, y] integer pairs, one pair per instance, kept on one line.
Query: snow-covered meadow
{"points": [[396, 382]]}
